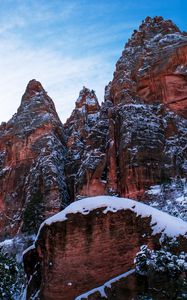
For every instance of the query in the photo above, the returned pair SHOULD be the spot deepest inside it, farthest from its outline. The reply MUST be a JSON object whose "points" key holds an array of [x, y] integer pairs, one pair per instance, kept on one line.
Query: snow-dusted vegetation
{"points": [[165, 268]]}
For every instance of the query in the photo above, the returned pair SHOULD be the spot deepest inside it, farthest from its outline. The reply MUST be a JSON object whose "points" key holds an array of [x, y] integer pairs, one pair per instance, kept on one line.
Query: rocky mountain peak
{"points": [[87, 100], [36, 102], [36, 109], [33, 88], [32, 149], [155, 51], [86, 112], [152, 27]]}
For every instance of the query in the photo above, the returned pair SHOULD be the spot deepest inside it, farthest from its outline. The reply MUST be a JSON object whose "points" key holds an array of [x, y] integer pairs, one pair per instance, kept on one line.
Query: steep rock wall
{"points": [[32, 150], [84, 246], [139, 137]]}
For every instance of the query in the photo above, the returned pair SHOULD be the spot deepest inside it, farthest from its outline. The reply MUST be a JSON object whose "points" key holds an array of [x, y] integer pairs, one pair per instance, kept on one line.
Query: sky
{"points": [[68, 44]]}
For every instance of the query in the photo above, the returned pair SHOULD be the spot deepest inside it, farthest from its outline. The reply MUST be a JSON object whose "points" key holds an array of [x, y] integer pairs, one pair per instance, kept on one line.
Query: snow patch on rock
{"points": [[161, 222], [101, 289]]}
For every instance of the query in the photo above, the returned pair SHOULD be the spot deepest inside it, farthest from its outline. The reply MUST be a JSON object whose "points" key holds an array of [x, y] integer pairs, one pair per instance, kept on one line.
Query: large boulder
{"points": [[92, 241]]}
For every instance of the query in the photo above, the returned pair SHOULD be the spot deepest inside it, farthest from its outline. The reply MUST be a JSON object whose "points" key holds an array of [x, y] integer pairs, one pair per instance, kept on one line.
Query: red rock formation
{"points": [[149, 93], [153, 66], [139, 146], [86, 249], [135, 139], [31, 149], [86, 144]]}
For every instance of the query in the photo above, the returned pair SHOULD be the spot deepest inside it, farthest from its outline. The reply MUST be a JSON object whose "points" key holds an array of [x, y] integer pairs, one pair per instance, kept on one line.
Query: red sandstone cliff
{"points": [[92, 241], [140, 131], [32, 147], [135, 139]]}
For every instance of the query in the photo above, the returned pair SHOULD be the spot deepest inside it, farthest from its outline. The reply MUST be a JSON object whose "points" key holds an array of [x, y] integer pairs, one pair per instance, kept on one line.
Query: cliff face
{"points": [[135, 139], [31, 163], [92, 241], [86, 145], [141, 126], [152, 67]]}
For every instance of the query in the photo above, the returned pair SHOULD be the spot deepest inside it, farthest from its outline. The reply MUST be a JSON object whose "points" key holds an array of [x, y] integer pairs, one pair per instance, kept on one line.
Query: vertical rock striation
{"points": [[32, 150], [144, 117], [135, 139]]}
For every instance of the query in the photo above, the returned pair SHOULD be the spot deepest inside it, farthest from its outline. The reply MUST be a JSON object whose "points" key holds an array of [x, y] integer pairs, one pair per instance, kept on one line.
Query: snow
{"points": [[181, 69], [101, 289], [170, 197], [155, 190], [90, 101], [28, 249], [172, 37], [82, 109], [35, 296], [23, 297], [93, 117], [16, 245], [6, 243], [136, 105], [160, 222]]}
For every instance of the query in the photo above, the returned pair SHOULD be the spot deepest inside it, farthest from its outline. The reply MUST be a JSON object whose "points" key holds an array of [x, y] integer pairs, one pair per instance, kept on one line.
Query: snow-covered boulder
{"points": [[93, 240]]}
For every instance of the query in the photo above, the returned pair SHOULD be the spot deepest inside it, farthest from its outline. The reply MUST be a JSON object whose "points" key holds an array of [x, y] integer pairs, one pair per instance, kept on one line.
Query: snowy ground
{"points": [[170, 197], [17, 245]]}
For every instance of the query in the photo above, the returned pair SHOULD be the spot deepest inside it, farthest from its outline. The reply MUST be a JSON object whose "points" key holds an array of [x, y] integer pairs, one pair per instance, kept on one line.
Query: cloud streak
{"points": [[63, 63], [62, 76], [63, 44]]}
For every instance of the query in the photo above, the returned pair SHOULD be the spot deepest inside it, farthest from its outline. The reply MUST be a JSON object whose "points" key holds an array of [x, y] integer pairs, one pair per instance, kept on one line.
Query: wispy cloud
{"points": [[62, 76], [65, 44], [38, 42]]}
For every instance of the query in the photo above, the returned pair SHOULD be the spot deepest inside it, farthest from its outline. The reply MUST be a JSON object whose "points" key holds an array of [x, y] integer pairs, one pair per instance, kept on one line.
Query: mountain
{"points": [[32, 150], [93, 240], [139, 138], [133, 145]]}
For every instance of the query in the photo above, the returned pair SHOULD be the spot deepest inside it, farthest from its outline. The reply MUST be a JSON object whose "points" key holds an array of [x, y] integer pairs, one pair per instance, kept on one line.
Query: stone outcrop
{"points": [[91, 157], [152, 67], [135, 139], [86, 143], [92, 241], [139, 137], [32, 150]]}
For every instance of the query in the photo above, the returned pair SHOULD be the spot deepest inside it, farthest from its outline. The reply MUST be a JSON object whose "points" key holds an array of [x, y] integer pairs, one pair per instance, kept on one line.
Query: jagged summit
{"points": [[155, 51], [35, 101], [130, 143], [87, 99], [34, 87], [87, 110], [31, 161], [159, 23], [152, 28]]}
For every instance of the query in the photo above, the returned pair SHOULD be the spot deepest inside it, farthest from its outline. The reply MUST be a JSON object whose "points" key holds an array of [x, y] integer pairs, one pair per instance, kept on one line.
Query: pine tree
{"points": [[8, 276], [163, 264], [33, 214]]}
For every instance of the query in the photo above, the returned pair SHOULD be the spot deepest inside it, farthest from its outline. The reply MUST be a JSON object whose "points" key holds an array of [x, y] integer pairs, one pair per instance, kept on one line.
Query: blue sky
{"points": [[68, 44]]}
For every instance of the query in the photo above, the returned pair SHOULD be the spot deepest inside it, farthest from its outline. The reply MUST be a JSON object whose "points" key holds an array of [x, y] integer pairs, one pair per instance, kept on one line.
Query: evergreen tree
{"points": [[162, 266], [33, 214], [8, 277]]}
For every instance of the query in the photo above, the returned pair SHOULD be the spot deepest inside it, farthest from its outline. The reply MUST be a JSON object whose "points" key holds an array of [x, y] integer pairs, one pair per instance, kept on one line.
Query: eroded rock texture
{"points": [[139, 137], [84, 250], [32, 149], [135, 139]]}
